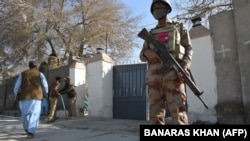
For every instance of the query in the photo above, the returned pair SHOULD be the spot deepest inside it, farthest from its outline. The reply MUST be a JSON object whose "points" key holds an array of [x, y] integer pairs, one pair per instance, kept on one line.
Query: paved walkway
{"points": [[84, 128]]}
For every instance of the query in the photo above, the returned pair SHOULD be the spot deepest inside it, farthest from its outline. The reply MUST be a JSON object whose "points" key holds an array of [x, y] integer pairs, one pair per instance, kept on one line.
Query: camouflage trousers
{"points": [[171, 92], [53, 108], [72, 106]]}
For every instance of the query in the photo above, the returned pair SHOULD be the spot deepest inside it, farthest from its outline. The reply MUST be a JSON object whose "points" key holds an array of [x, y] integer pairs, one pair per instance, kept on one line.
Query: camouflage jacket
{"points": [[177, 41], [68, 89]]}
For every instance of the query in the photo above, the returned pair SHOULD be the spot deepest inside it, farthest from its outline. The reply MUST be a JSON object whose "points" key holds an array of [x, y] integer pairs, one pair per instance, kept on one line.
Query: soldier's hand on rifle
{"points": [[180, 76], [185, 65], [151, 56]]}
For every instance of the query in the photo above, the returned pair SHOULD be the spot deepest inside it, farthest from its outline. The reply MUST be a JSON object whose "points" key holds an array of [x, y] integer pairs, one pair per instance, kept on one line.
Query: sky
{"points": [[142, 7]]}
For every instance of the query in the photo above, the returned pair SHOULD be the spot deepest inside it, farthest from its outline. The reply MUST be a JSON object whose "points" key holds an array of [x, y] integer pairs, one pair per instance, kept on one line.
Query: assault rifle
{"points": [[170, 62]]}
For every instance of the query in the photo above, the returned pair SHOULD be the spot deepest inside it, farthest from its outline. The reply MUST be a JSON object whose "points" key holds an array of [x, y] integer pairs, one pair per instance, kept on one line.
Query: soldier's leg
{"points": [[176, 100], [69, 108], [74, 106], [52, 113], [156, 104]]}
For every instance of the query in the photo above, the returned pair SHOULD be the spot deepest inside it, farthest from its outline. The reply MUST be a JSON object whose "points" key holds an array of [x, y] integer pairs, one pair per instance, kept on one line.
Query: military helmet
{"points": [[165, 1]]}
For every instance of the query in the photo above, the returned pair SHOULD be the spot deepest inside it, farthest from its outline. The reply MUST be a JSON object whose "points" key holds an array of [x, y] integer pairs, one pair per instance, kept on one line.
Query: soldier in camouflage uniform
{"points": [[167, 89]]}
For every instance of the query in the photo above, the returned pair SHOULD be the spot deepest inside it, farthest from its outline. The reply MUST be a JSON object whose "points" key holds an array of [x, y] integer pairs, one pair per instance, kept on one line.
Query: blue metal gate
{"points": [[130, 98]]}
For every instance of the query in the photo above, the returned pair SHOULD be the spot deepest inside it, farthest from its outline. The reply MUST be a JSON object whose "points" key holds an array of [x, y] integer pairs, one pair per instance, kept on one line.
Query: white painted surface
{"points": [[100, 83], [203, 70], [77, 74]]}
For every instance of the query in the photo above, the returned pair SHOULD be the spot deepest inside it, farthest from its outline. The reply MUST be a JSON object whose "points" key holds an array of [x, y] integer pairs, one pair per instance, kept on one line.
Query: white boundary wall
{"points": [[100, 86], [203, 70], [77, 74]]}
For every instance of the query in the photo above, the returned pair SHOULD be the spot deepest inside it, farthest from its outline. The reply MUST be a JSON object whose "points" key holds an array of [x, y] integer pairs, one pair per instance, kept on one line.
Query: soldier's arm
{"points": [[56, 88], [67, 89], [186, 43], [142, 55], [149, 55]]}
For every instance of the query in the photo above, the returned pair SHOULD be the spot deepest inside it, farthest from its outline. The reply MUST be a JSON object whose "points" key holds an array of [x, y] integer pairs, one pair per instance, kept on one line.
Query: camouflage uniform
{"points": [[70, 90], [168, 89], [53, 95]]}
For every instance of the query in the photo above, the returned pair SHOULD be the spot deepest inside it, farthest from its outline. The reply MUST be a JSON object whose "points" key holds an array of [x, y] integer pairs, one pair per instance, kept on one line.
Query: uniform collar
{"points": [[168, 21]]}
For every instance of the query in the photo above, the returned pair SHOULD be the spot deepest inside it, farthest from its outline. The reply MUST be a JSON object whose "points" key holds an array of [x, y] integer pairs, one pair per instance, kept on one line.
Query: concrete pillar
{"points": [[100, 86], [77, 74], [203, 69]]}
